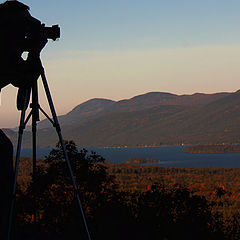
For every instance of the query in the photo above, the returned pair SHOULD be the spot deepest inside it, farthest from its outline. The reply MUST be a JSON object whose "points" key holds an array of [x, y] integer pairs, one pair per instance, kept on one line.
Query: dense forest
{"points": [[126, 201]]}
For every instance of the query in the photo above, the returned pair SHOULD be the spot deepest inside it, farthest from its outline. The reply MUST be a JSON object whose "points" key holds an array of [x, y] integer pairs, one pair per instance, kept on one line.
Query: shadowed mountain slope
{"points": [[80, 113], [143, 120], [98, 107], [216, 122], [154, 99]]}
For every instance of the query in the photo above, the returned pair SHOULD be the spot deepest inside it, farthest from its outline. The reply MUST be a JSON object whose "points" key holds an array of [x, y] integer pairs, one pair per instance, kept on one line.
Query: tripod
{"points": [[34, 113]]}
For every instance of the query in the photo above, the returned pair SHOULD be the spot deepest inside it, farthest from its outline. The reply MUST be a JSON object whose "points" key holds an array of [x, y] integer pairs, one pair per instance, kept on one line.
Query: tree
{"points": [[55, 202], [174, 213]]}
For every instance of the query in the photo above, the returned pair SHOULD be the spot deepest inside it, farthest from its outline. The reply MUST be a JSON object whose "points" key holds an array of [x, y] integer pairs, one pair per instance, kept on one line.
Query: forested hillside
{"points": [[152, 119], [131, 201]]}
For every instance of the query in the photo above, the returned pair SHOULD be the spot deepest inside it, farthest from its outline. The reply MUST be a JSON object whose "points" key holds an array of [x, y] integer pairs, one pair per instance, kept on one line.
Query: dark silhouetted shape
{"points": [[6, 178], [20, 33]]}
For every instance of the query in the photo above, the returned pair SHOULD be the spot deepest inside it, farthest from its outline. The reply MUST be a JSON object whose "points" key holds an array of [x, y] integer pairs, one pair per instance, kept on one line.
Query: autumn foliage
{"points": [[126, 201]]}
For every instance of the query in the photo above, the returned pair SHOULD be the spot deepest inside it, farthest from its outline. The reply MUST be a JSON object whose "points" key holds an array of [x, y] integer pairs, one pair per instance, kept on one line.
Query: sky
{"points": [[117, 49]]}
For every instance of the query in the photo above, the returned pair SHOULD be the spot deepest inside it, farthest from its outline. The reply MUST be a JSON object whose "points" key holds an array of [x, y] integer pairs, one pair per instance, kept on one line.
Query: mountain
{"points": [[151, 119], [80, 113], [98, 106], [154, 99]]}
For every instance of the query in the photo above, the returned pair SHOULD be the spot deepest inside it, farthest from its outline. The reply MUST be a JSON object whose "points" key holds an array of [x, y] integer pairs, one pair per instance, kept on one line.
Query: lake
{"points": [[172, 156]]}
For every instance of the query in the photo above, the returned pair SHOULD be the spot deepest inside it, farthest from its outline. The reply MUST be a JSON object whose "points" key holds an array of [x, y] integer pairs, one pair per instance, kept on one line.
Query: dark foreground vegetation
{"points": [[126, 201]]}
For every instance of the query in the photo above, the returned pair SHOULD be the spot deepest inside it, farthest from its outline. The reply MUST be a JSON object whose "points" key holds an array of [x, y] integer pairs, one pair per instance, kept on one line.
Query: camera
{"points": [[52, 32]]}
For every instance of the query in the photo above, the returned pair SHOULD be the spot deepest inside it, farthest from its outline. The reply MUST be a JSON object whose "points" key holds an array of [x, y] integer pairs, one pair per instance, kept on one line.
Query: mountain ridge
{"points": [[100, 106], [153, 119]]}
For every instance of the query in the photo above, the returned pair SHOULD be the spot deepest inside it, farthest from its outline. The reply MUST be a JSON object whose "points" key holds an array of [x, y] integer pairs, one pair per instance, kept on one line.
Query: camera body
{"points": [[39, 30], [52, 32]]}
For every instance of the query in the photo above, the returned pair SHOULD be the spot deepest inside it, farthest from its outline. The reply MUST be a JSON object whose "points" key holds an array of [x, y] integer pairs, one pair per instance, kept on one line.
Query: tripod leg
{"points": [[20, 135], [58, 129], [35, 118]]}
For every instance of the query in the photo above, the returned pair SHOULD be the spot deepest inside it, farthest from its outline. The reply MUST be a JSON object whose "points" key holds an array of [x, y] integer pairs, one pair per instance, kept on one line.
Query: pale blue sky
{"points": [[140, 24], [117, 49]]}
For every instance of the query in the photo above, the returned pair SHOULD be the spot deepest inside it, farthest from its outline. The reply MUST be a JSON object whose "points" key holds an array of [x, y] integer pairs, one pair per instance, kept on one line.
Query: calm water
{"points": [[167, 156]]}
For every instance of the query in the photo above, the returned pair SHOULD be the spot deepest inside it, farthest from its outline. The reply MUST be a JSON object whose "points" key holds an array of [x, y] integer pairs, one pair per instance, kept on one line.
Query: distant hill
{"points": [[154, 99], [151, 119], [80, 113]]}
